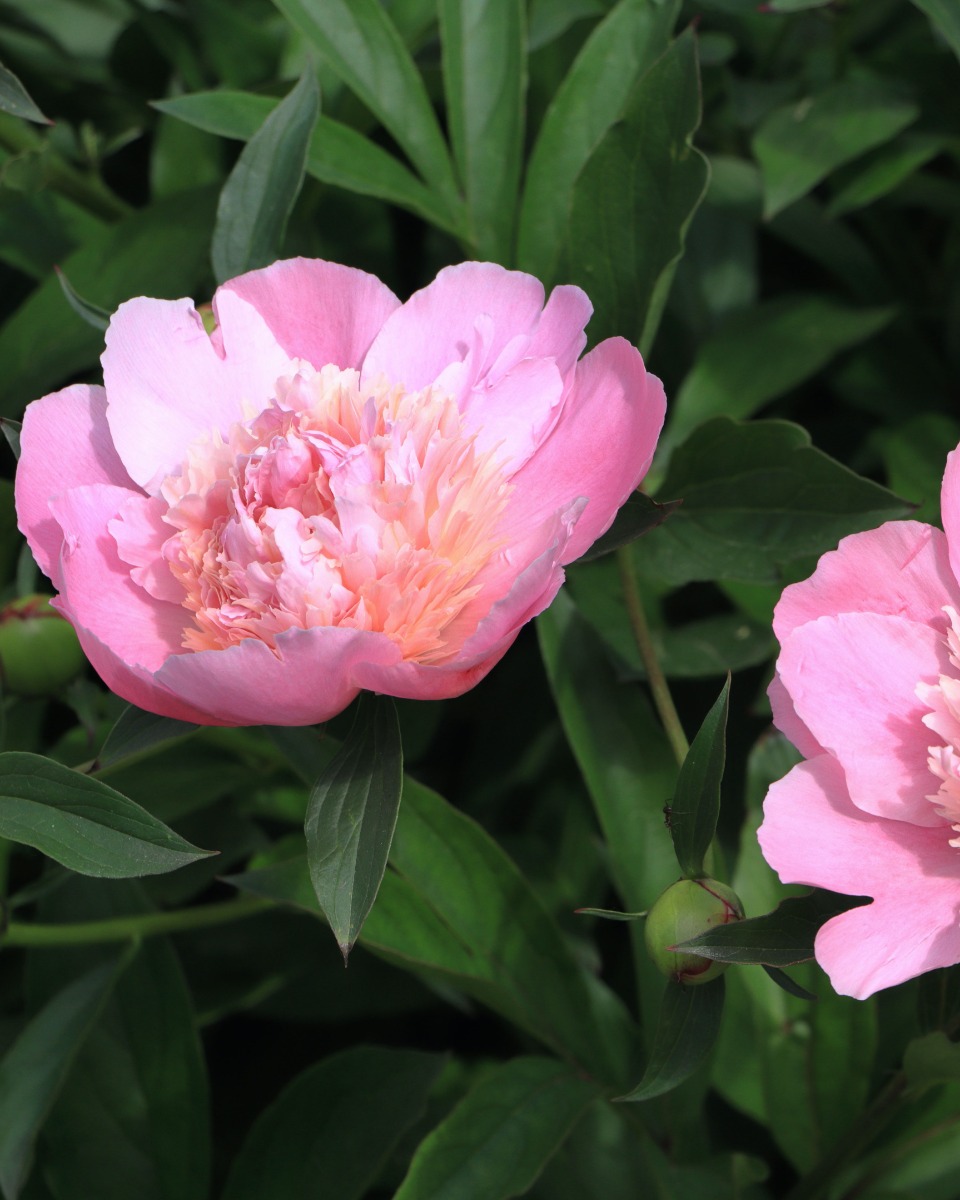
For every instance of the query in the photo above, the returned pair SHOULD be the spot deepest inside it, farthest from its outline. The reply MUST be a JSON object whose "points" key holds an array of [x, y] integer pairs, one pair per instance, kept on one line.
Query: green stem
{"points": [[655, 676], [120, 929]]}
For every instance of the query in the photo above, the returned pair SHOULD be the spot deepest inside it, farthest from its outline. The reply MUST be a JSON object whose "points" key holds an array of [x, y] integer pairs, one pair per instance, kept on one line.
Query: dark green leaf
{"points": [[932, 1059], [790, 986], [331, 1129], [337, 154], [687, 1029], [11, 432], [883, 170], [592, 96], [945, 18], [609, 914], [501, 1135], [759, 354], [638, 516], [913, 455], [359, 41], [34, 1069], [778, 939], [757, 496], [15, 100], [484, 77], [696, 801], [635, 197], [260, 193], [82, 823], [138, 732], [93, 314], [799, 145], [351, 817]]}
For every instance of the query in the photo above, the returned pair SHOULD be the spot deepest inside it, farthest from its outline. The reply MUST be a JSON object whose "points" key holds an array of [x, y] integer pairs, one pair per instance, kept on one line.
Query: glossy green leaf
{"points": [[591, 98], [351, 817], [759, 354], [800, 144], [501, 1135], [686, 1031], [635, 197], [137, 732], [638, 516], [696, 801], [83, 824], [778, 939], [158, 251], [756, 496], [331, 1129], [133, 1118], [484, 79], [35, 1068], [361, 44], [93, 314], [337, 154], [945, 18], [261, 190], [15, 99]]}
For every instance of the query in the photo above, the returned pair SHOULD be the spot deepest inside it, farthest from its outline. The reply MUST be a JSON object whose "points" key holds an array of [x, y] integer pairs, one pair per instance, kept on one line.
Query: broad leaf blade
{"points": [[344, 1114], [15, 99], [263, 186], [696, 801], [687, 1029], [484, 78], [638, 516], [82, 823], [351, 817], [945, 17], [501, 1135], [34, 1069], [137, 732]]}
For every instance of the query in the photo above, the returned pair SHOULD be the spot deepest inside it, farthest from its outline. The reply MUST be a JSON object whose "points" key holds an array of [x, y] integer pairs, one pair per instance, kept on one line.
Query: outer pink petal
{"points": [[786, 720], [98, 594], [66, 442], [517, 413], [436, 325], [317, 310], [314, 675], [853, 679], [560, 332], [901, 569], [813, 834], [600, 447], [950, 509], [168, 382]]}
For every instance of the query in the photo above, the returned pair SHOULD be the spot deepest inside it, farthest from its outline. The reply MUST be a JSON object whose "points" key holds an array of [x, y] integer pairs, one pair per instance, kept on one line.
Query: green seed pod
{"points": [[686, 909], [39, 651]]}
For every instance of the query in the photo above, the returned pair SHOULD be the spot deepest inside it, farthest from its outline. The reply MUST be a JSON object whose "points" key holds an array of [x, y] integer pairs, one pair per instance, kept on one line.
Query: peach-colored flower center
{"points": [[337, 505], [944, 719]]}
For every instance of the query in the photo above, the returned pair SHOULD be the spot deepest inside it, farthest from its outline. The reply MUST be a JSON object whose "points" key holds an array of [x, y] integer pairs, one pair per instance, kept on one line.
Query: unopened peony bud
{"points": [[39, 651], [686, 909]]}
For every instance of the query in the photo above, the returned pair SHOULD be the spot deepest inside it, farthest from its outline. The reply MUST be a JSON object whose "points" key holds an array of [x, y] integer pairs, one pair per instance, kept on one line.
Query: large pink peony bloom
{"points": [[334, 491], [868, 689]]}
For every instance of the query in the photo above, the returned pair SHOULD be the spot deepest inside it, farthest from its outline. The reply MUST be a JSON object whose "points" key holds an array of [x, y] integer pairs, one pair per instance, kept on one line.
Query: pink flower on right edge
{"points": [[868, 689]]}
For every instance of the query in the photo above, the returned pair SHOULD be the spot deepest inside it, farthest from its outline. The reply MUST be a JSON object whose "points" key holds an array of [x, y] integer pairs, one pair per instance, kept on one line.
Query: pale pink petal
{"points": [[812, 834], [320, 311], [600, 447], [560, 332], [140, 532], [516, 414], [98, 594], [65, 442], [436, 326], [168, 382], [950, 509], [853, 680], [313, 676], [786, 720], [900, 569]]}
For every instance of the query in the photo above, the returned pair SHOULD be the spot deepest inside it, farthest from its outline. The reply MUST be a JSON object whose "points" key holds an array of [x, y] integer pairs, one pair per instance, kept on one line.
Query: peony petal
{"points": [[813, 834], [65, 442], [950, 509], [317, 310], [98, 594], [786, 720], [516, 414], [168, 382], [852, 680], [560, 332], [140, 532], [314, 675], [436, 325], [600, 447], [900, 569]]}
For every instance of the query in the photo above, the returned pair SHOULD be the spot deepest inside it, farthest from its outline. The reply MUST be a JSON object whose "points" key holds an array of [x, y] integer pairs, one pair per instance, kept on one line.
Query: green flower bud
{"points": [[39, 651], [686, 909]]}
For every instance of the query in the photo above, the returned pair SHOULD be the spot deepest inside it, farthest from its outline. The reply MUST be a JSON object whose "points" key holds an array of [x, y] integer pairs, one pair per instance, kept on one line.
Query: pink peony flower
{"points": [[334, 491], [868, 689]]}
